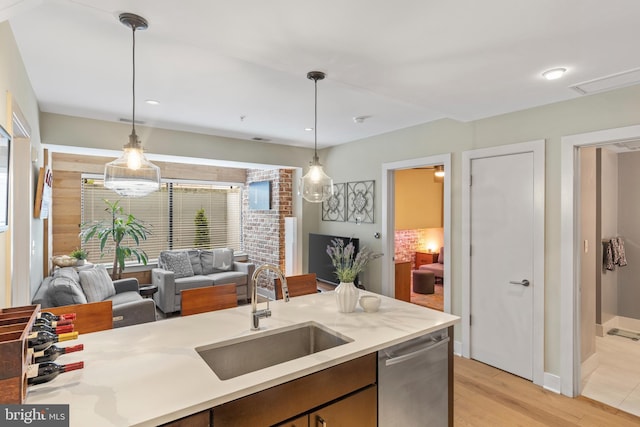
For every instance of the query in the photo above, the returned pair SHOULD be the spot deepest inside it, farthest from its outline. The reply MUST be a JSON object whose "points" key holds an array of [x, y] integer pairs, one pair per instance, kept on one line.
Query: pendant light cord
{"points": [[315, 124], [133, 121]]}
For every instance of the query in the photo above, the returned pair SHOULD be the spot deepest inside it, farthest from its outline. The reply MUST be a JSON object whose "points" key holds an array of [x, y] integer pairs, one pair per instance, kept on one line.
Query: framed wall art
{"points": [[360, 197], [334, 208]]}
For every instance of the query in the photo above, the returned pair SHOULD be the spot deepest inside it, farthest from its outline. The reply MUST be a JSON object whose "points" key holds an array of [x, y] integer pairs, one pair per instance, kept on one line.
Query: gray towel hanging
{"points": [[622, 258], [608, 255]]}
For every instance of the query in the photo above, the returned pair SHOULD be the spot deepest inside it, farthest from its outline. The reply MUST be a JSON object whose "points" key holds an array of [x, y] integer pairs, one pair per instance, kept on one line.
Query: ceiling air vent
{"points": [[613, 81]]}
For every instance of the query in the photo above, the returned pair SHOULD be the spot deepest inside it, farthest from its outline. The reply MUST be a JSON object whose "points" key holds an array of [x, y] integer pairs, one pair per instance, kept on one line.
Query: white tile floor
{"points": [[616, 380]]}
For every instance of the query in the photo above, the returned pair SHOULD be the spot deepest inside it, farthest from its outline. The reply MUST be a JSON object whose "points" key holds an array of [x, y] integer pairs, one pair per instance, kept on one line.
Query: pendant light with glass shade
{"points": [[132, 175], [316, 186]]}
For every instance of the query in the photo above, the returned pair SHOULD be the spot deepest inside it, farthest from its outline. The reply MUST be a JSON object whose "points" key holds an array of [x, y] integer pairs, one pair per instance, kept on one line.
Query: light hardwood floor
{"points": [[486, 396]]}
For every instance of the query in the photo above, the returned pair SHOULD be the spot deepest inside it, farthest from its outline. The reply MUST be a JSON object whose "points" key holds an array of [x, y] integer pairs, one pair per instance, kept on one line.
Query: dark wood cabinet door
{"points": [[201, 419], [302, 421], [359, 409], [403, 281]]}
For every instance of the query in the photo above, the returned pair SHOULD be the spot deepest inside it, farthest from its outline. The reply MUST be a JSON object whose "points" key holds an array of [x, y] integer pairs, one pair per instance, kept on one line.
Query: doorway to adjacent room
{"points": [[390, 267]]}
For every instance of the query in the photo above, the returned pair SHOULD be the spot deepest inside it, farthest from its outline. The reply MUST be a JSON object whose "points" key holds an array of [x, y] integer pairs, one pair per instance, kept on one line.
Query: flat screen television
{"points": [[319, 261]]}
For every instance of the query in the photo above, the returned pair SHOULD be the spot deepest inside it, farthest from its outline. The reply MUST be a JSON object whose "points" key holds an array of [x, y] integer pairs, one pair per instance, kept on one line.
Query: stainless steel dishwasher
{"points": [[413, 382]]}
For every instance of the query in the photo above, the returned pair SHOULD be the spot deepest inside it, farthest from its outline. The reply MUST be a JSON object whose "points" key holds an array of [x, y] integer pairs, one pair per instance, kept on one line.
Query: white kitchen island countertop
{"points": [[150, 374]]}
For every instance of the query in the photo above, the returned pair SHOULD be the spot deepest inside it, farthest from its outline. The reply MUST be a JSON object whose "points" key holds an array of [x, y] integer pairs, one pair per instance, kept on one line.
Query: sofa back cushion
{"points": [[96, 284], [216, 260], [65, 291], [177, 261], [194, 258], [68, 272], [42, 296]]}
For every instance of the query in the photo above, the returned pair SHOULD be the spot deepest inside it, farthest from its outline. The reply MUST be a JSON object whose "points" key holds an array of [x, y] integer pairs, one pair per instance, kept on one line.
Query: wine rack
{"points": [[15, 325]]}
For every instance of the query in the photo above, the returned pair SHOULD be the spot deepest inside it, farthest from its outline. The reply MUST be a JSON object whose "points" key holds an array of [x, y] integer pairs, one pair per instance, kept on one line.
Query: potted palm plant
{"points": [[114, 235]]}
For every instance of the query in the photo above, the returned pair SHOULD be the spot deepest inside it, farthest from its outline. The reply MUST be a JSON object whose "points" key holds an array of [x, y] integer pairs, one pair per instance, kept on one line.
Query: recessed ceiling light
{"points": [[554, 73], [308, 129], [152, 102]]}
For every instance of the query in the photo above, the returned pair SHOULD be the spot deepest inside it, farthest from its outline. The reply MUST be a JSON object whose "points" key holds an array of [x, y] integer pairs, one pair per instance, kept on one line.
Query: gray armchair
{"points": [[129, 307], [67, 287]]}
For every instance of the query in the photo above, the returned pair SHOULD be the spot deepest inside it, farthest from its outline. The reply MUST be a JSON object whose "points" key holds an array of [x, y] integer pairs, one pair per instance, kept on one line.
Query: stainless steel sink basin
{"points": [[240, 356]]}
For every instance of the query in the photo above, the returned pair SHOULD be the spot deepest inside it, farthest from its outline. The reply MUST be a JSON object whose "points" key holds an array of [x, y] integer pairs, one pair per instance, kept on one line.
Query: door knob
{"points": [[524, 282]]}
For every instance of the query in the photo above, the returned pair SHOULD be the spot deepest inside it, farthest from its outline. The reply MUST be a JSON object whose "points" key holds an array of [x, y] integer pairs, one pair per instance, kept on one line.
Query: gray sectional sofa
{"points": [[67, 287], [194, 268]]}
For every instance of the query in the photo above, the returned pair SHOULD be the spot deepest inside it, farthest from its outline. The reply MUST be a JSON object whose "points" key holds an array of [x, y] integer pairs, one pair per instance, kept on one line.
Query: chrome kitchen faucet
{"points": [[255, 313]]}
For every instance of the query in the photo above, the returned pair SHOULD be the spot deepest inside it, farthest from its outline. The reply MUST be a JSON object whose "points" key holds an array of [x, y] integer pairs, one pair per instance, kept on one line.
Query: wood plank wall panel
{"points": [[65, 211]]}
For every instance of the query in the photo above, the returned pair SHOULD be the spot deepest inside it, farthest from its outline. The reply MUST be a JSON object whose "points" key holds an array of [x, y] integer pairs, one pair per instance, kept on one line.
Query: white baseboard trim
{"points": [[609, 324], [621, 322], [552, 382], [457, 348], [628, 323]]}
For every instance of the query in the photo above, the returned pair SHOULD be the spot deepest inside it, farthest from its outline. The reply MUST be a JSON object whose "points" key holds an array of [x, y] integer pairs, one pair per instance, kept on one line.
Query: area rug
{"points": [[434, 300]]}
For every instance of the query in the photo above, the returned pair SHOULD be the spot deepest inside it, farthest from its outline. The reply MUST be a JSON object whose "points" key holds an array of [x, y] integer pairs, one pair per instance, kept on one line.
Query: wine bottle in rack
{"points": [[57, 330], [42, 339], [39, 373], [52, 323], [50, 316], [50, 354]]}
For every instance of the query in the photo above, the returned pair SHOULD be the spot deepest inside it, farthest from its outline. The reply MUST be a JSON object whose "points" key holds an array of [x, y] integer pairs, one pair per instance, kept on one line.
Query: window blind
{"points": [[222, 212], [170, 214]]}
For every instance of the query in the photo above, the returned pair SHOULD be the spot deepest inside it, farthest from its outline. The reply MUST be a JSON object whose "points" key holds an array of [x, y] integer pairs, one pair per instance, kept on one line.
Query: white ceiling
{"points": [[401, 62]]}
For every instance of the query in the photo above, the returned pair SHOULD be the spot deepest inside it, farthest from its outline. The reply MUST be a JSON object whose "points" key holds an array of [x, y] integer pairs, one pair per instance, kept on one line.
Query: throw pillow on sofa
{"points": [[96, 284], [222, 259], [65, 291], [68, 272], [178, 262], [216, 260], [194, 258]]}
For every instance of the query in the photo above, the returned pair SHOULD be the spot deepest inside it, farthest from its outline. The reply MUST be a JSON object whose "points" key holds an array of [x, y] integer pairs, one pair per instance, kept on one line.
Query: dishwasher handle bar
{"points": [[399, 359]]}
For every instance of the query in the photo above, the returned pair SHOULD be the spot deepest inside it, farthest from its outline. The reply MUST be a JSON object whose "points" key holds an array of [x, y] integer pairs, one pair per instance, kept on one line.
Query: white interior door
{"points": [[501, 263]]}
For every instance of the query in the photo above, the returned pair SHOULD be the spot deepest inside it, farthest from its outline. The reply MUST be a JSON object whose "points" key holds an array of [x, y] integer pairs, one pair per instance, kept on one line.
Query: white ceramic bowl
{"points": [[370, 303]]}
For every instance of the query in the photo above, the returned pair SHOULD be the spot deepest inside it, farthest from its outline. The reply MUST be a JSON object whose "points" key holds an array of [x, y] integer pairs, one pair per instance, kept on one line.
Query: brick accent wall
{"points": [[408, 242], [263, 230]]}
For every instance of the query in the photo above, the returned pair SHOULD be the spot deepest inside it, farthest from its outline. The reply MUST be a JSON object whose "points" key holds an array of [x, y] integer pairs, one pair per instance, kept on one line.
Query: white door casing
{"points": [[508, 245], [388, 220], [570, 248]]}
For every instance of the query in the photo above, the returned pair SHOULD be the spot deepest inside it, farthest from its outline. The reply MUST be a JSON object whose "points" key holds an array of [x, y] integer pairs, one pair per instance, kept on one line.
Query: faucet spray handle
{"points": [[285, 288]]}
